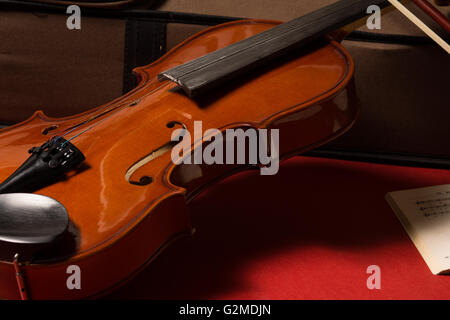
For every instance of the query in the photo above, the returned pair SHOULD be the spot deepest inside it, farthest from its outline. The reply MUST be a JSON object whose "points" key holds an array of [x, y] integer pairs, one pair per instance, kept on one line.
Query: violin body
{"points": [[124, 210]]}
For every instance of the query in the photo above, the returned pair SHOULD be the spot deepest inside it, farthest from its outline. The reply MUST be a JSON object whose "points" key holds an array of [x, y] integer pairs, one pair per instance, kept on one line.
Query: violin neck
{"points": [[211, 70]]}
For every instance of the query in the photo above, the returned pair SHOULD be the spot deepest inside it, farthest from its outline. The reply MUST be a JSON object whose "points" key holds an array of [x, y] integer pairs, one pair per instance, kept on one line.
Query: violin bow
{"points": [[433, 35], [435, 14]]}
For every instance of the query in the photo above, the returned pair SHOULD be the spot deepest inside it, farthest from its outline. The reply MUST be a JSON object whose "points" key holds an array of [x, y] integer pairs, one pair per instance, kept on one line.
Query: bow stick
{"points": [[400, 7]]}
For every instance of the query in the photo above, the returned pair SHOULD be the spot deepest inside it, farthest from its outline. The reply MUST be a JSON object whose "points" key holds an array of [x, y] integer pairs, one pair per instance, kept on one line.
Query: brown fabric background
{"points": [[46, 66], [393, 22], [403, 93], [97, 4]]}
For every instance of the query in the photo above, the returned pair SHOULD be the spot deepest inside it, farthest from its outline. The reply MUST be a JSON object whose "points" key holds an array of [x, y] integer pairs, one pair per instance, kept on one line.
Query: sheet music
{"points": [[425, 214]]}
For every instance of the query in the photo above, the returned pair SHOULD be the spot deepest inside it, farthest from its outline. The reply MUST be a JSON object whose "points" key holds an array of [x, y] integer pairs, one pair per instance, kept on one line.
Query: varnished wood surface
{"points": [[118, 226]]}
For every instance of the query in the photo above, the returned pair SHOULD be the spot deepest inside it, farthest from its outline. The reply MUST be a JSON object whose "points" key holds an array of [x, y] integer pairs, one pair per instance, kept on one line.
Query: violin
{"points": [[99, 192]]}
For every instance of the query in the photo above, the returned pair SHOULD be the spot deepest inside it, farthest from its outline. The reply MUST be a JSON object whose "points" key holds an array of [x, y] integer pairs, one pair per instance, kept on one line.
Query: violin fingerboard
{"points": [[207, 72]]}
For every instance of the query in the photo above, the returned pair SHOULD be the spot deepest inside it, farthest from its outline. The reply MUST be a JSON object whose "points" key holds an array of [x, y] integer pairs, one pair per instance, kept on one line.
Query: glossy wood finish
{"points": [[117, 227]]}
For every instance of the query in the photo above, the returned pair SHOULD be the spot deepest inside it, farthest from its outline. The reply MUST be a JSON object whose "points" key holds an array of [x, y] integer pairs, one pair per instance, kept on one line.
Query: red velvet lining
{"points": [[309, 232]]}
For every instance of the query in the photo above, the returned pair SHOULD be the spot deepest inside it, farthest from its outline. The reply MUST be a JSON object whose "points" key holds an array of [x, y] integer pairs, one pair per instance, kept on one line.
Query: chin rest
{"points": [[29, 223]]}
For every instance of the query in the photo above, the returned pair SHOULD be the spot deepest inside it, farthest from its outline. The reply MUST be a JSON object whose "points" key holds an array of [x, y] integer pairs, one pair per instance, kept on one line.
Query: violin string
{"points": [[78, 134], [73, 128], [96, 116], [118, 109]]}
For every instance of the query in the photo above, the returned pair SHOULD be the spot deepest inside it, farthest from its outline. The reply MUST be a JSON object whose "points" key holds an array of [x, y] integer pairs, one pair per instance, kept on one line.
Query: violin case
{"points": [[401, 76]]}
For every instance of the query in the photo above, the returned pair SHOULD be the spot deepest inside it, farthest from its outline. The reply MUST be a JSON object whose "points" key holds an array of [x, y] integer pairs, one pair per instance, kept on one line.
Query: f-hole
{"points": [[146, 180]]}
